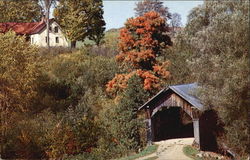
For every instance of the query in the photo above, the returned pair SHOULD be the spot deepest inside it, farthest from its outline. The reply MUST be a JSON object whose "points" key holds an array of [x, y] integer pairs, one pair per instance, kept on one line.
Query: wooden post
{"points": [[196, 131], [149, 126]]}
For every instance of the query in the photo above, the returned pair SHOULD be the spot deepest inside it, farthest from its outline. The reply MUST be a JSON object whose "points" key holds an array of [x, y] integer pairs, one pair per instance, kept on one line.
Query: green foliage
{"points": [[80, 19], [18, 72], [27, 138], [83, 156], [49, 135], [20, 11], [127, 128], [218, 34], [147, 151], [191, 152], [68, 77], [18, 94], [71, 85], [109, 46], [111, 39], [75, 133], [120, 121], [179, 58], [152, 158]]}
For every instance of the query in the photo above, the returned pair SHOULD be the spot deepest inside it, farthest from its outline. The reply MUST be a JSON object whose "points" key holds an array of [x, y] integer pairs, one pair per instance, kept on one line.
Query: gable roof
{"points": [[24, 28], [184, 90]]}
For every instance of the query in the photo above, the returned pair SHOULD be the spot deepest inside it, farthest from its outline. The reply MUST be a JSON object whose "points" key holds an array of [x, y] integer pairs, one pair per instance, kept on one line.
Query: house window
{"points": [[56, 30], [32, 40], [50, 29], [46, 39], [57, 39]]}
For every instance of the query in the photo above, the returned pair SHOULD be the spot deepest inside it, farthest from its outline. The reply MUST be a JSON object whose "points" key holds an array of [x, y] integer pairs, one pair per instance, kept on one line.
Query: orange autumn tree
{"points": [[142, 40]]}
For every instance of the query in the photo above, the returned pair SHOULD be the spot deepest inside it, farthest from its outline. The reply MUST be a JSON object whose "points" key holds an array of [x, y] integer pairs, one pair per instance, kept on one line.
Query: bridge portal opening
{"points": [[173, 122]]}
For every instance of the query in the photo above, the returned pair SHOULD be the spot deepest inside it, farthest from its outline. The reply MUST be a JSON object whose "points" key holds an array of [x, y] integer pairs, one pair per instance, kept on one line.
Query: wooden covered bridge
{"points": [[176, 113]]}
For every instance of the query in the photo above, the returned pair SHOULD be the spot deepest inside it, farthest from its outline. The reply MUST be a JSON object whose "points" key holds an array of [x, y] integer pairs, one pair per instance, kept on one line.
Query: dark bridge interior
{"points": [[173, 122]]}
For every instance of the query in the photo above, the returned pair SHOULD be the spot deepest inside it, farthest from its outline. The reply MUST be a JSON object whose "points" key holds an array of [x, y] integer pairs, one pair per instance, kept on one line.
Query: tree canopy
{"points": [[152, 5], [20, 11], [141, 42], [176, 20], [81, 19], [218, 34]]}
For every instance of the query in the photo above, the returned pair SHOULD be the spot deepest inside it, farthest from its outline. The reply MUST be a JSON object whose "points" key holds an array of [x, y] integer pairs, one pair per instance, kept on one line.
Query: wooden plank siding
{"points": [[178, 96], [172, 101]]}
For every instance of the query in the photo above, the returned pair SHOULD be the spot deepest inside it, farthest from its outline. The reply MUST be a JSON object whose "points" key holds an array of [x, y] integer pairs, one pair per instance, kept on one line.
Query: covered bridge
{"points": [[176, 113]]}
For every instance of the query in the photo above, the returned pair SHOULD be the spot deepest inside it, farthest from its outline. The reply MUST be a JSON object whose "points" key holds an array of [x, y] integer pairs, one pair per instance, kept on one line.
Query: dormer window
{"points": [[56, 29]]}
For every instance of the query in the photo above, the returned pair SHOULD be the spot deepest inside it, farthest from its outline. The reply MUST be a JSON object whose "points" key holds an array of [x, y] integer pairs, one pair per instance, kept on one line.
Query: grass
{"points": [[152, 158], [148, 150], [191, 152]]}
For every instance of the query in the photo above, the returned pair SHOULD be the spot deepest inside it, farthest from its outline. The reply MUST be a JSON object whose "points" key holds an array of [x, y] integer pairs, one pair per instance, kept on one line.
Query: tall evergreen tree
{"points": [[123, 123]]}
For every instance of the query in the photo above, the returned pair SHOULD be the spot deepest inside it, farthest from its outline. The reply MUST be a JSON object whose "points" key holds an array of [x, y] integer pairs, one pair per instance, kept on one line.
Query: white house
{"points": [[36, 32], [56, 36]]}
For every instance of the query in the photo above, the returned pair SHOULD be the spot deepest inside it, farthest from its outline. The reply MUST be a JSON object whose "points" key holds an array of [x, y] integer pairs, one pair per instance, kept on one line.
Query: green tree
{"points": [[179, 56], [81, 19], [110, 41], [121, 121], [20, 11], [218, 34], [127, 124]]}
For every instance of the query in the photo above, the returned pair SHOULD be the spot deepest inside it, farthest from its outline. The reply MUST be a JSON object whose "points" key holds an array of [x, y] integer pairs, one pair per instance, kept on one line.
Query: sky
{"points": [[117, 12]]}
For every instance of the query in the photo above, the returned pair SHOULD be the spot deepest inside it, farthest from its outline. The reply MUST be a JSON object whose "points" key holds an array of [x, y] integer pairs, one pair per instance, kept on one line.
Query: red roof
{"points": [[23, 28]]}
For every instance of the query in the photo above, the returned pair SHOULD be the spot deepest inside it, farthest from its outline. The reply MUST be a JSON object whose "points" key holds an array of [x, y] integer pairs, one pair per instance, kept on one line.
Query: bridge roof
{"points": [[186, 91]]}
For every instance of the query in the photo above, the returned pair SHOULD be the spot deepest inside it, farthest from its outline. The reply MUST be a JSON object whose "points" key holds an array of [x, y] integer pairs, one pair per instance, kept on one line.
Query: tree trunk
{"points": [[47, 26], [73, 44]]}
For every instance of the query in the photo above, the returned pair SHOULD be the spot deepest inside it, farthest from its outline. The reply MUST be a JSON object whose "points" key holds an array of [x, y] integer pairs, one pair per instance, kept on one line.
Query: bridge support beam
{"points": [[196, 131]]}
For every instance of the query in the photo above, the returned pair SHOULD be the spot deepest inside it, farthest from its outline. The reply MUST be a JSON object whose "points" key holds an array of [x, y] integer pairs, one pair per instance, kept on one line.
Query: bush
{"points": [[27, 138], [68, 77], [18, 89], [76, 133], [44, 51], [120, 122]]}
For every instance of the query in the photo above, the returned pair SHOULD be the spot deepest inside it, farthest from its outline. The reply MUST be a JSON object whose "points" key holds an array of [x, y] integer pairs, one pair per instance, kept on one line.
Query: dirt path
{"points": [[171, 149]]}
